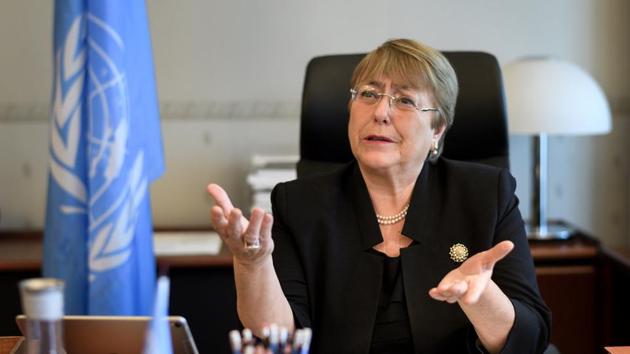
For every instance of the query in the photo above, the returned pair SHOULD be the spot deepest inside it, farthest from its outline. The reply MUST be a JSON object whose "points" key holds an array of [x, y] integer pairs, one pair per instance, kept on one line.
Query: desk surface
{"points": [[22, 250], [7, 344], [576, 248], [620, 255]]}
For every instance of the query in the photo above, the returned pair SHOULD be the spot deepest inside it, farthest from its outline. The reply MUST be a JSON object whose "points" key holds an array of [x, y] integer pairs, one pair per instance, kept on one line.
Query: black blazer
{"points": [[324, 230]]}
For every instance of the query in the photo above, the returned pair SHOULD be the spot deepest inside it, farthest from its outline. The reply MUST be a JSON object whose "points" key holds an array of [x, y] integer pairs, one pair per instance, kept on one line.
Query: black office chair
{"points": [[479, 132]]}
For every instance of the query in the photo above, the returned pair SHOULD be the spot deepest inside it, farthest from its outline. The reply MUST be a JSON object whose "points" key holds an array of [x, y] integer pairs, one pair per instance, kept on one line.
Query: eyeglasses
{"points": [[370, 96]]}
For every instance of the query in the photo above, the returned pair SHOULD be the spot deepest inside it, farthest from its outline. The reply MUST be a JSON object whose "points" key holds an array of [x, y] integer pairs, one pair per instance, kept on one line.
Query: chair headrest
{"points": [[479, 132]]}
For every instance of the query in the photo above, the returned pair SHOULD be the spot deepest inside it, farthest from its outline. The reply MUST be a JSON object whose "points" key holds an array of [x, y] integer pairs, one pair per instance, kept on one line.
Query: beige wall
{"points": [[230, 75]]}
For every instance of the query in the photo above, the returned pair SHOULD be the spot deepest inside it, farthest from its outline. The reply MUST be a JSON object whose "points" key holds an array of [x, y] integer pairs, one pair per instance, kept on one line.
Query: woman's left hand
{"points": [[467, 282]]}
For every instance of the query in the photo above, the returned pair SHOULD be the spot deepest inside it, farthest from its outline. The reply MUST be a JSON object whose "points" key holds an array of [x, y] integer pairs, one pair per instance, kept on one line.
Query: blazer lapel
{"points": [[361, 301], [417, 260], [421, 206]]}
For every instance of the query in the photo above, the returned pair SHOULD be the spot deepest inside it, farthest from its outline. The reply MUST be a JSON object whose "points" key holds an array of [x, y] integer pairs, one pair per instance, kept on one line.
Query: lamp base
{"points": [[549, 232]]}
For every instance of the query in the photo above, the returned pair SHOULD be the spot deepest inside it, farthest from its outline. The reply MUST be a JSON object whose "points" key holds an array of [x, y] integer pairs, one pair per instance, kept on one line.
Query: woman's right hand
{"points": [[237, 232]]}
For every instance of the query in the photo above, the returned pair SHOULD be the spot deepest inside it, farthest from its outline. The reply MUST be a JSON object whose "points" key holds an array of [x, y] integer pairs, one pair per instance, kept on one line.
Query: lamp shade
{"points": [[549, 96]]}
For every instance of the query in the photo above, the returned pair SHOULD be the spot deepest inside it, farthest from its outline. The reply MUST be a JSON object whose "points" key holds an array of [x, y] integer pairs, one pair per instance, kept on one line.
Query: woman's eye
{"points": [[406, 101], [368, 94]]}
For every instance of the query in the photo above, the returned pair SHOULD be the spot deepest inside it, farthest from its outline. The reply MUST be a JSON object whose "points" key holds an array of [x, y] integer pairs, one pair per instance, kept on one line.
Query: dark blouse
{"points": [[392, 334]]}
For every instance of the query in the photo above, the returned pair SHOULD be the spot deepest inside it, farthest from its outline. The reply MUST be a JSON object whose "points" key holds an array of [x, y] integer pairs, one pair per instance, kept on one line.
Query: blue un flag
{"points": [[105, 150]]}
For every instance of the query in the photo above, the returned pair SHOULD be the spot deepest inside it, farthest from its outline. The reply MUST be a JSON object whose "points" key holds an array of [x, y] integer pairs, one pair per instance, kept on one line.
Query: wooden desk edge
{"points": [[31, 260], [572, 249], [620, 255], [577, 248], [223, 259], [8, 344], [618, 350]]}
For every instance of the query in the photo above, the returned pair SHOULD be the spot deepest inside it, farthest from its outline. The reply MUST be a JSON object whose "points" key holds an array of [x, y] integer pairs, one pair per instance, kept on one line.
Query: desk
{"points": [[618, 350], [567, 278], [615, 290], [202, 289], [8, 343]]}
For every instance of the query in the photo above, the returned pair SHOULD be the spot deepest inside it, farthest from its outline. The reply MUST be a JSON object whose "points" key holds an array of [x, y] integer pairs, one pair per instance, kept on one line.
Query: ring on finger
{"points": [[251, 245]]}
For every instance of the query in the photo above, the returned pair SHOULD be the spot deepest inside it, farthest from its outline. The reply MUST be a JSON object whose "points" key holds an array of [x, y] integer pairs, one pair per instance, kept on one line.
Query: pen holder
{"points": [[274, 340]]}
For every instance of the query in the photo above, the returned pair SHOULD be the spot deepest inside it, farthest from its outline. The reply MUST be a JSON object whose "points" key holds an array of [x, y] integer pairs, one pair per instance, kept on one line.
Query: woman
{"points": [[400, 251]]}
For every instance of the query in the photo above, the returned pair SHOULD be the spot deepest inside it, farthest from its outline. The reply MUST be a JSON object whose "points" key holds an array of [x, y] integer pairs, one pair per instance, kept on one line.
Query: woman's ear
{"points": [[438, 131]]}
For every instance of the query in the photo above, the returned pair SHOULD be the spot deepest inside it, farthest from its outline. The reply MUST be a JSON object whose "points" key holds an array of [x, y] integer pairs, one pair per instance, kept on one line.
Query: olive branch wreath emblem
{"points": [[111, 220]]}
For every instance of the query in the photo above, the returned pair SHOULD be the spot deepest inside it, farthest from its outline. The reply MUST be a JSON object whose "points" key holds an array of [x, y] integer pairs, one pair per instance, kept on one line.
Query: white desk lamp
{"points": [[547, 96]]}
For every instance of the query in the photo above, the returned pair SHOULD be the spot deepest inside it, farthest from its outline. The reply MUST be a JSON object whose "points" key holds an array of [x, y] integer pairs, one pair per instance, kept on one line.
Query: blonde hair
{"points": [[418, 66]]}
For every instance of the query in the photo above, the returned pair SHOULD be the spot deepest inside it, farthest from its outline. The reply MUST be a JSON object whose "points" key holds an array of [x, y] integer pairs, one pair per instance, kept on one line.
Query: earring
{"points": [[435, 149]]}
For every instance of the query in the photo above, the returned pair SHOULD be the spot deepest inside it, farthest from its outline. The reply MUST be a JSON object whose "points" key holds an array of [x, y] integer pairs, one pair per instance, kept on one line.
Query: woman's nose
{"points": [[383, 110]]}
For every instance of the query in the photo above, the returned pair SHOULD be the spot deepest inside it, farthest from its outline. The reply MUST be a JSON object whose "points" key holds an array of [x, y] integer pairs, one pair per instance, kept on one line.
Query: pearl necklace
{"points": [[389, 220]]}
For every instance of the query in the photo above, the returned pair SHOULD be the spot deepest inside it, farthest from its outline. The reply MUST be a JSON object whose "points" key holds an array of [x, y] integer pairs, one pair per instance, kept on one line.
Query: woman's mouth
{"points": [[379, 138]]}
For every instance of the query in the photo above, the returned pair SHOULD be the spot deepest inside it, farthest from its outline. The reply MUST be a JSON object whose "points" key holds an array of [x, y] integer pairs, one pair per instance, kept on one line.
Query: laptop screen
{"points": [[115, 334]]}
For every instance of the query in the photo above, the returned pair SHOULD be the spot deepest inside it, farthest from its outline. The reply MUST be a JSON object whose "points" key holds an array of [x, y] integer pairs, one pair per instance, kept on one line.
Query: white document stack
{"points": [[269, 170]]}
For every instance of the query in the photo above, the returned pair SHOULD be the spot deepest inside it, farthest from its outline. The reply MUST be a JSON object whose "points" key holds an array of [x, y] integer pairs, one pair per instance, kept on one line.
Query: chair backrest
{"points": [[479, 132]]}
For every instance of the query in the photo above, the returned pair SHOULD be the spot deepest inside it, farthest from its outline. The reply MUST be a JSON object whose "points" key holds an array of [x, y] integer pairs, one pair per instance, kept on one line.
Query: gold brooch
{"points": [[458, 252]]}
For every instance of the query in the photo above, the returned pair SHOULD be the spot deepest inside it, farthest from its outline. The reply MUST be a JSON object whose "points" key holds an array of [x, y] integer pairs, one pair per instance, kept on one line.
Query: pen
{"points": [[248, 339], [265, 337], [307, 334], [296, 347], [284, 335], [273, 338], [235, 341]]}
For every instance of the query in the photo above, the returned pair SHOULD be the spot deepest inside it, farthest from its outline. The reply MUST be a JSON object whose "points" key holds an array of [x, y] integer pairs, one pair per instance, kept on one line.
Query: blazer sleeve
{"points": [[516, 277], [287, 261]]}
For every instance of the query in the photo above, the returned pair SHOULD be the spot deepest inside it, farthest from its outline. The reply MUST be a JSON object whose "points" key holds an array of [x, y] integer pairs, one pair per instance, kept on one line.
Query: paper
{"points": [[186, 243], [267, 178]]}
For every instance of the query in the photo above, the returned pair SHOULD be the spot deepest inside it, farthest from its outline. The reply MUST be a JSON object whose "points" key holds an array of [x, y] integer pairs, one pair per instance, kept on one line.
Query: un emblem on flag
{"points": [[92, 161]]}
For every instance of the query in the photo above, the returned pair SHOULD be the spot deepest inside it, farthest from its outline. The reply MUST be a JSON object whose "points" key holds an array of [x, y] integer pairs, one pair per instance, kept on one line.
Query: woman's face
{"points": [[386, 137]]}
